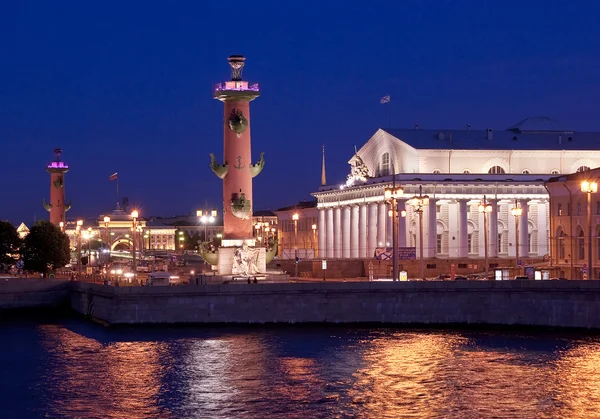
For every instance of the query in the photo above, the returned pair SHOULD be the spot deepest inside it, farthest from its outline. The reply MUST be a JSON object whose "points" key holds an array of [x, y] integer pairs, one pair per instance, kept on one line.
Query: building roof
{"points": [[535, 133], [593, 174], [300, 205]]}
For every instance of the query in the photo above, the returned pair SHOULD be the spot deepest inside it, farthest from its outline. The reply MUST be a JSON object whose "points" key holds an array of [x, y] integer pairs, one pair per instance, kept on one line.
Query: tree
{"points": [[45, 248], [9, 242]]}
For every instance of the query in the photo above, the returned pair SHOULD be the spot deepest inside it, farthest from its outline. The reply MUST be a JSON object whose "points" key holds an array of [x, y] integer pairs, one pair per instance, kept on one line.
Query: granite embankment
{"points": [[33, 293], [528, 303]]}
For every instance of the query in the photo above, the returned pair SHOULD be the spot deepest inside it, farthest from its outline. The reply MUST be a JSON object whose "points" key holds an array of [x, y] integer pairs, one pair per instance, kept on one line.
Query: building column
{"points": [[337, 232], [322, 234], [524, 230], [512, 235], [372, 231], [493, 219], [346, 232], [362, 231], [402, 233], [431, 242], [354, 232], [389, 225], [329, 250], [543, 221], [381, 224], [463, 229], [482, 233]]}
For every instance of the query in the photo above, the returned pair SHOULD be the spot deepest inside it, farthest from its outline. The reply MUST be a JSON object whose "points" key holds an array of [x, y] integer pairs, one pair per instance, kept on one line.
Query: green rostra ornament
{"points": [[241, 207], [238, 122]]}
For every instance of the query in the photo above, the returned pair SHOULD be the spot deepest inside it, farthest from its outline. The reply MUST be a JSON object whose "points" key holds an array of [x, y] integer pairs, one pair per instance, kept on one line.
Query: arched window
{"points": [[466, 171], [583, 169], [561, 245], [385, 164], [526, 172], [496, 169], [581, 245], [437, 171], [555, 172]]}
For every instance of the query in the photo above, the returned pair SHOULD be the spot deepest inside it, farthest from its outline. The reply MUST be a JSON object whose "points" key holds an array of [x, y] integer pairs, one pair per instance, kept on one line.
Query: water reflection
{"points": [[310, 372], [87, 378]]}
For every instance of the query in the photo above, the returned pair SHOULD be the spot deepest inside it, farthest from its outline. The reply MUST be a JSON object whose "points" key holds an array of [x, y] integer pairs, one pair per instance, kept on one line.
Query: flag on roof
{"points": [[385, 99], [114, 176]]}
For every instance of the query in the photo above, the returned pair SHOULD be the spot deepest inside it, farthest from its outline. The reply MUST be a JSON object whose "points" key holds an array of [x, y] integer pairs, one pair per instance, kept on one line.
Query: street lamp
{"points": [[517, 211], [134, 216], [90, 235], [419, 202], [295, 218], [314, 243], [391, 196], [78, 234], [205, 218], [485, 208], [589, 188], [62, 226], [106, 222]]}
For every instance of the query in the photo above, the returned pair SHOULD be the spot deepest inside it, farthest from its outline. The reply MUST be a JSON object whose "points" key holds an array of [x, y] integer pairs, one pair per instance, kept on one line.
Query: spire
{"points": [[323, 177]]}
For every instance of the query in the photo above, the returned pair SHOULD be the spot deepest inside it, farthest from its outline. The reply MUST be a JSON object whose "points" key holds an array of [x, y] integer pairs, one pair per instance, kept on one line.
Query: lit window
{"points": [[385, 164]]}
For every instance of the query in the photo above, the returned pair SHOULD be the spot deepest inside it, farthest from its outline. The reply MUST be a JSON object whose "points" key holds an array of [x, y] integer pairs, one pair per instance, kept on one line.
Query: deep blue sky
{"points": [[126, 86]]}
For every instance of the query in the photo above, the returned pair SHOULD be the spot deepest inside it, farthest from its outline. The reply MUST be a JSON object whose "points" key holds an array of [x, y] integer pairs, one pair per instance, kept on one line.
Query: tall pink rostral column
{"points": [[57, 206], [237, 169]]}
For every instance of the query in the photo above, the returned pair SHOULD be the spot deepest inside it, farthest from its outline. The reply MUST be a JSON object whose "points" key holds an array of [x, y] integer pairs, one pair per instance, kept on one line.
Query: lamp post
{"points": [[419, 202], [134, 216], [206, 217], [106, 222], [391, 196], [89, 246], [485, 208], [62, 226], [314, 241], [517, 211], [295, 218], [78, 233], [589, 188]]}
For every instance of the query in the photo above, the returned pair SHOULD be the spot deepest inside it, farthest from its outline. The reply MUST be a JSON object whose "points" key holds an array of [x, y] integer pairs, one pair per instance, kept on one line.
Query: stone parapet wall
{"points": [[531, 303], [24, 293]]}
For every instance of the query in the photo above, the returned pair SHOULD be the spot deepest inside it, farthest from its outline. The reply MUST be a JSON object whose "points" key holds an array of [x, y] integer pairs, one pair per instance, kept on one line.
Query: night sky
{"points": [[127, 87]]}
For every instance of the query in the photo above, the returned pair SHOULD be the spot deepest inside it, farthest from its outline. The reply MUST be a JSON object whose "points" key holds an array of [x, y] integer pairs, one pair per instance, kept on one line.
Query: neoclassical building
{"points": [[456, 169]]}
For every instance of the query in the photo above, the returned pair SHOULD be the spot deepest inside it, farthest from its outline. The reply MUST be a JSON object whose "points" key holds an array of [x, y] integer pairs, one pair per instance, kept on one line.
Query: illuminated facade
{"points": [[117, 230], [301, 233], [455, 169], [571, 220]]}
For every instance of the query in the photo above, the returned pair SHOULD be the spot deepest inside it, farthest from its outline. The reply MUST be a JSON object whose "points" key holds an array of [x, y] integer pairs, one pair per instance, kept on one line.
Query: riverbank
{"points": [[555, 304], [33, 293]]}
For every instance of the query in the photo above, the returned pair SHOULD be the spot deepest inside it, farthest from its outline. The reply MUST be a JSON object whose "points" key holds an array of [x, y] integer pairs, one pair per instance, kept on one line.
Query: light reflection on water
{"points": [[79, 370]]}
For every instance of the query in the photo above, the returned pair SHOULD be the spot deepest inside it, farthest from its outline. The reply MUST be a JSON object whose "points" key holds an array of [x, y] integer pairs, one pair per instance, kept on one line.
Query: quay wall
{"points": [[574, 304], [31, 293]]}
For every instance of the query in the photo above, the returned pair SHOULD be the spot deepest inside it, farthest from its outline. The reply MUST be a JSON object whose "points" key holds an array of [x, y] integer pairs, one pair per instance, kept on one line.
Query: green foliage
{"points": [[45, 248], [9, 242]]}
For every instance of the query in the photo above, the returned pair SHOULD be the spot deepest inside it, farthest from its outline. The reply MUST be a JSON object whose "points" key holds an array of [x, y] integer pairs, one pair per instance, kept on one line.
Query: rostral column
{"points": [[57, 206], [237, 170]]}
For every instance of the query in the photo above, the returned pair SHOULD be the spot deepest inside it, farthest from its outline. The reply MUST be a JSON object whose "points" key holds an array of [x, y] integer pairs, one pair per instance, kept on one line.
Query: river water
{"points": [[71, 368]]}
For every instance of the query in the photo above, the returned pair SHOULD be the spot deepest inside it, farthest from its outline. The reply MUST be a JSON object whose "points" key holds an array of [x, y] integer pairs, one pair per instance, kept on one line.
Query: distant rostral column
{"points": [[237, 170], [57, 206]]}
